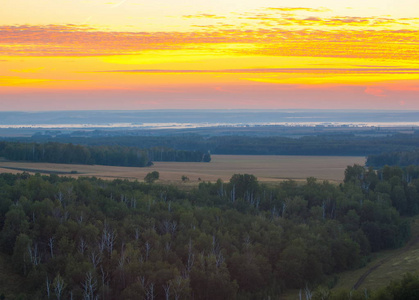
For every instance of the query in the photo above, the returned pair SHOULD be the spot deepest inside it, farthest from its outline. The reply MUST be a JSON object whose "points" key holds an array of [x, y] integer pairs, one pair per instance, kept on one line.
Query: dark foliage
{"points": [[401, 158], [236, 240], [95, 155], [339, 143]]}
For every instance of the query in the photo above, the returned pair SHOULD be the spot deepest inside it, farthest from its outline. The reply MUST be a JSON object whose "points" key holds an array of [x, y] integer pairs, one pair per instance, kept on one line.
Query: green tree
{"points": [[152, 176], [244, 184]]}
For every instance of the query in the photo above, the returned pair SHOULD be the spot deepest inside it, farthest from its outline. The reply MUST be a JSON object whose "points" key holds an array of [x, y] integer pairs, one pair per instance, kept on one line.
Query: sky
{"points": [[218, 54]]}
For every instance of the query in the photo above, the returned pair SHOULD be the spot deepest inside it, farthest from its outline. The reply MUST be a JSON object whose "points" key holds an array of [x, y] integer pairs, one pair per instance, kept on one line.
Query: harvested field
{"points": [[266, 168]]}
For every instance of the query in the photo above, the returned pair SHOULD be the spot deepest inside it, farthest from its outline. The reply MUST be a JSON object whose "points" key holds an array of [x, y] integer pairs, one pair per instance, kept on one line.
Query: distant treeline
{"points": [[400, 158], [169, 154], [68, 153], [331, 144]]}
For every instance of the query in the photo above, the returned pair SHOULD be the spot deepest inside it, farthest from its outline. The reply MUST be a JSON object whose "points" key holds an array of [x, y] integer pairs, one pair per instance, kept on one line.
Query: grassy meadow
{"points": [[387, 265], [267, 168]]}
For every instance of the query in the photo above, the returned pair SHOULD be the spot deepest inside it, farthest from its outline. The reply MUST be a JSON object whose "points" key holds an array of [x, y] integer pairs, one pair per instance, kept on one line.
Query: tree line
{"points": [[398, 158], [95, 239], [321, 144], [111, 155]]}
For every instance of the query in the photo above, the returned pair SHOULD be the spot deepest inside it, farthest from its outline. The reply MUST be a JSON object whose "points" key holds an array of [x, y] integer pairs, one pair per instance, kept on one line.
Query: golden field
{"points": [[267, 168]]}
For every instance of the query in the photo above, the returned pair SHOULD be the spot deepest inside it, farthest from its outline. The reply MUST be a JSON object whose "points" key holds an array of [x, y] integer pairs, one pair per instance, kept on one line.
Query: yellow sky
{"points": [[128, 54]]}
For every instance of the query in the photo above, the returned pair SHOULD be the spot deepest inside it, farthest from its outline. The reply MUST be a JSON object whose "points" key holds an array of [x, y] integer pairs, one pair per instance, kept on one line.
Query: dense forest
{"points": [[401, 158], [337, 143], [89, 238], [96, 155]]}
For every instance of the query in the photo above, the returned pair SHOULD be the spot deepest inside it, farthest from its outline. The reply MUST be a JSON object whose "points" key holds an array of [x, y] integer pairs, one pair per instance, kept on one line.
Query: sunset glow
{"points": [[129, 54]]}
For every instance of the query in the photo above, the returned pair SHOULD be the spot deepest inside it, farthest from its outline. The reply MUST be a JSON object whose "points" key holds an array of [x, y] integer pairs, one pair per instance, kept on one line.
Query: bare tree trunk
{"points": [[51, 246], [59, 286], [89, 287], [166, 288], [48, 287]]}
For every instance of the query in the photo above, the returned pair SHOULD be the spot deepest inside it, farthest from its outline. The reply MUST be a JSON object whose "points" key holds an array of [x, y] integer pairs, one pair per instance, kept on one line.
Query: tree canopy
{"points": [[152, 176], [90, 238]]}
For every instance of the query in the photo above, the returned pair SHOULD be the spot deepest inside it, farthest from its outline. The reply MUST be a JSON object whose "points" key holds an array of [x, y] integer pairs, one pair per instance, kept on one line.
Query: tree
{"points": [[59, 286], [244, 183], [152, 176], [354, 174]]}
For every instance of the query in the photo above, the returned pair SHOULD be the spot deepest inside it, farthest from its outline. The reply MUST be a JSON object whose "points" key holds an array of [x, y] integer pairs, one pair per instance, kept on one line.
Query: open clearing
{"points": [[267, 168]]}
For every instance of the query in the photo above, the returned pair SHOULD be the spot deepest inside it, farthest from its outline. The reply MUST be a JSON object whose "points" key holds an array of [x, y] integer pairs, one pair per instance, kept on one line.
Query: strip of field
{"points": [[40, 171], [267, 168], [389, 265]]}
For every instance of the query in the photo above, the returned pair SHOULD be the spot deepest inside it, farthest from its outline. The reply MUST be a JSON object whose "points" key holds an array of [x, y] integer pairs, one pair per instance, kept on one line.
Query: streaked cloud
{"points": [[336, 21], [19, 81], [285, 70], [71, 40], [204, 16], [345, 21], [294, 9]]}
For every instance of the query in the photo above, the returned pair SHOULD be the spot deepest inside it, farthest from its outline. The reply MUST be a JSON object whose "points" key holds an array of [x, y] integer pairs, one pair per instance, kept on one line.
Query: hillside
{"points": [[241, 239]]}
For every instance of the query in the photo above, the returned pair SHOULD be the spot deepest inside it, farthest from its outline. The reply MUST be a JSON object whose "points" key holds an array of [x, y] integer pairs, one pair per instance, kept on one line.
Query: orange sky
{"points": [[129, 54]]}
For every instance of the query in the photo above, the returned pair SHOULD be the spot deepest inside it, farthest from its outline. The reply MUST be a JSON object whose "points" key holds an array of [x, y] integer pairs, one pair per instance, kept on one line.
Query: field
{"points": [[387, 266], [265, 168]]}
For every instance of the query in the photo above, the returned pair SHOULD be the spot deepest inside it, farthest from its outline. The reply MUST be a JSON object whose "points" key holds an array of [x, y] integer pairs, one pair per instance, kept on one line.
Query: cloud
{"points": [[293, 9], [377, 92], [203, 16], [16, 81], [348, 20], [283, 70], [72, 40], [311, 17], [340, 21], [315, 19]]}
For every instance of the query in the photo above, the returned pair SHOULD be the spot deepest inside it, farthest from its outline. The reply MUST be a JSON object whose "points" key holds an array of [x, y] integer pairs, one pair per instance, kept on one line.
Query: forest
{"points": [[111, 155], [339, 142], [400, 158], [89, 238]]}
